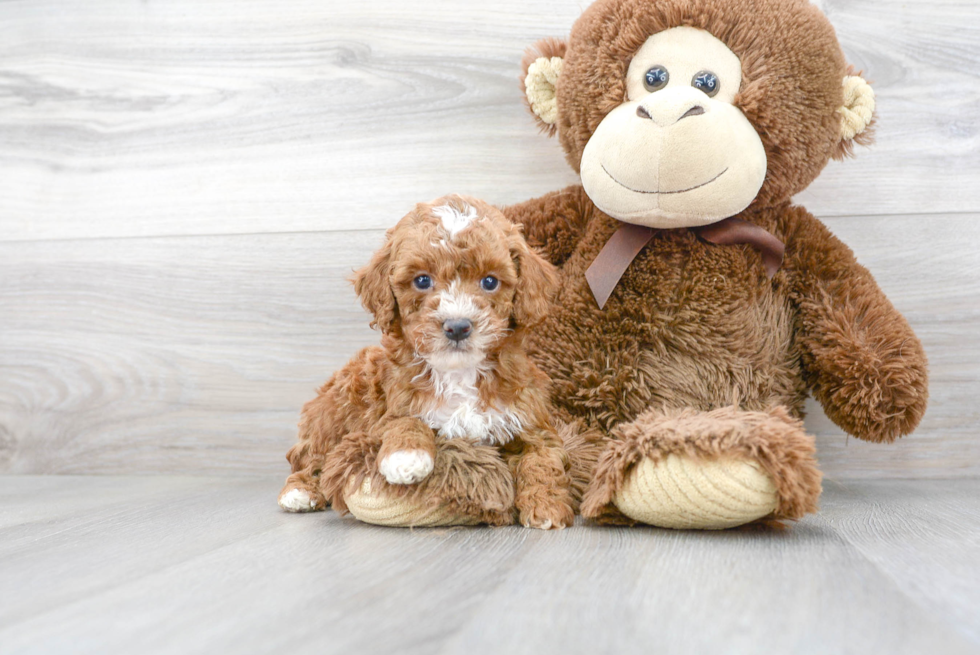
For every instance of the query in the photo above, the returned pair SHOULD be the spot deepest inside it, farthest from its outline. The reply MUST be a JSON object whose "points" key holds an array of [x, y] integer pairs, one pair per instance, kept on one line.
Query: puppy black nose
{"points": [[457, 329]]}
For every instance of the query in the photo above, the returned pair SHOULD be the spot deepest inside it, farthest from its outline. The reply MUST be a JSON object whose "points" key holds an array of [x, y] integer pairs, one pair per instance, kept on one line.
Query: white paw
{"points": [[406, 466], [297, 500], [542, 526]]}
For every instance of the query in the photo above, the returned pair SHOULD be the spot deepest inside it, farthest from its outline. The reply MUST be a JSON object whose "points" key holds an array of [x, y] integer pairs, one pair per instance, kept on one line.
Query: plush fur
{"points": [[418, 395], [697, 352], [468, 479], [773, 439]]}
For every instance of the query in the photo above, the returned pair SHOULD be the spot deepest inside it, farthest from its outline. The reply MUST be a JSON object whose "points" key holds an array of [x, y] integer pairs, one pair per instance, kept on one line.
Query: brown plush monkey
{"points": [[697, 306]]}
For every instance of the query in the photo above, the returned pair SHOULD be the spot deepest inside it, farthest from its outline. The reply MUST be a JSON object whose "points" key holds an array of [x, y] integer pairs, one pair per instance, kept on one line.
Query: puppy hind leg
{"points": [[321, 428], [301, 493]]}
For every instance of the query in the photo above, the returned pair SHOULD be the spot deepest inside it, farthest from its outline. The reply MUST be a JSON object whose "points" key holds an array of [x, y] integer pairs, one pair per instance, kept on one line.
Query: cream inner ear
{"points": [[676, 157], [858, 109], [542, 77]]}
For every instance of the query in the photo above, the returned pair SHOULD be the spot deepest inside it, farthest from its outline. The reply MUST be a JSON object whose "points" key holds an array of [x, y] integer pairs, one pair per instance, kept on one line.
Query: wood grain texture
{"points": [[194, 354], [137, 118], [169, 565]]}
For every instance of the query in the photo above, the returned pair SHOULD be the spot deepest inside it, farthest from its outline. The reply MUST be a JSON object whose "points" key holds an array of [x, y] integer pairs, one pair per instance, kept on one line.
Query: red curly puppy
{"points": [[453, 290]]}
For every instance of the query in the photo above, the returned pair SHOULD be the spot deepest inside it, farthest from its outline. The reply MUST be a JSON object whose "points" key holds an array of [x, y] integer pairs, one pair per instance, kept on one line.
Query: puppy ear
{"points": [[541, 67], [857, 115], [373, 287], [537, 281]]}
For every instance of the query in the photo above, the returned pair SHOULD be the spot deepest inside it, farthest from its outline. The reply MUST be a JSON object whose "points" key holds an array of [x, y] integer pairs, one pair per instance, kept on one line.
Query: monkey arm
{"points": [[861, 359], [553, 223]]}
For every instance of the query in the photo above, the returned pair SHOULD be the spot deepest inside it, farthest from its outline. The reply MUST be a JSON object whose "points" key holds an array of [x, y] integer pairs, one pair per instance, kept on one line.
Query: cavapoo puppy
{"points": [[453, 291]]}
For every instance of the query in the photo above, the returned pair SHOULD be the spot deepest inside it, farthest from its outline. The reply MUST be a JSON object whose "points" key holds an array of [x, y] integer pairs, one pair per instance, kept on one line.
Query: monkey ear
{"points": [[542, 67], [857, 115], [373, 287], [537, 281]]}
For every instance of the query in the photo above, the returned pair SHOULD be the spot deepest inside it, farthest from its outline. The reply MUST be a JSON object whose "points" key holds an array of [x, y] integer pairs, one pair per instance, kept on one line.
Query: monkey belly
{"points": [[690, 326]]}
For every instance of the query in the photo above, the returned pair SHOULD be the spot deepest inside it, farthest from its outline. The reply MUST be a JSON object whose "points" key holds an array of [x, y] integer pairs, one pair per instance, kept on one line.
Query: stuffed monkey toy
{"points": [[697, 306]]}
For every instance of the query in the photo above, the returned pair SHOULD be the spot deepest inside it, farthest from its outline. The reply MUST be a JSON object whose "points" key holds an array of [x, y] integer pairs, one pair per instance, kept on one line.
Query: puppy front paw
{"points": [[406, 466], [546, 514]]}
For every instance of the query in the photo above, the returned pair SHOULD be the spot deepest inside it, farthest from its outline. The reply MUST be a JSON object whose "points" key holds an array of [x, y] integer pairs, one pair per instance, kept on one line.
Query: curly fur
{"points": [[419, 388]]}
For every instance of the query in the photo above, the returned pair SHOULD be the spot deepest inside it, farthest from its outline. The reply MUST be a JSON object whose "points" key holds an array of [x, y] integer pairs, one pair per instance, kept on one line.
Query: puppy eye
{"points": [[489, 283], [656, 78], [422, 282], [708, 82]]}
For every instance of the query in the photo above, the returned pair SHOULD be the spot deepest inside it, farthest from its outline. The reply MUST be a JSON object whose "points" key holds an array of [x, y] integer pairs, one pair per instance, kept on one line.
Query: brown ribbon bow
{"points": [[626, 243]]}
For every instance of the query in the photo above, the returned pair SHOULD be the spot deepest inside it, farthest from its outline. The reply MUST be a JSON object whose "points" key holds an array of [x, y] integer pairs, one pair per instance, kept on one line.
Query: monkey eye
{"points": [[708, 82], [489, 283], [422, 282], [656, 78]]}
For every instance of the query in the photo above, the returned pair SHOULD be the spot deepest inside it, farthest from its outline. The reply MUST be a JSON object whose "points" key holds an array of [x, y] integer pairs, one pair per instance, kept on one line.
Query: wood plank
{"points": [[921, 536], [194, 354], [220, 568], [701, 593], [122, 119]]}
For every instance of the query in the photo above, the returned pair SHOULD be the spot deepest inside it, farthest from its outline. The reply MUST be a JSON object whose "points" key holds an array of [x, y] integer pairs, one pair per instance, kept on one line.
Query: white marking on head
{"points": [[455, 220]]}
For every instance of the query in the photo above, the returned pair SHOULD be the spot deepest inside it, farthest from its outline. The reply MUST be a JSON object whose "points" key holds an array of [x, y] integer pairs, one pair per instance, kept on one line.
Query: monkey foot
{"points": [[684, 493], [705, 470], [469, 484], [375, 506]]}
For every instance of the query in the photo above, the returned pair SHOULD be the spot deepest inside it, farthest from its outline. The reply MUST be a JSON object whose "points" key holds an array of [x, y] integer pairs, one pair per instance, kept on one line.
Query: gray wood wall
{"points": [[185, 186]]}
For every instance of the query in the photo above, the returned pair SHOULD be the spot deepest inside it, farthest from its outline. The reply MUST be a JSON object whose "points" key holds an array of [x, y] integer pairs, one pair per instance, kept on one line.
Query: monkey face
{"points": [[677, 152]]}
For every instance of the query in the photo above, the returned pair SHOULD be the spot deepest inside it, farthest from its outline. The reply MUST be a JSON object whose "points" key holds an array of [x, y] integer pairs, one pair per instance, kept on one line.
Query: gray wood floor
{"points": [[194, 565]]}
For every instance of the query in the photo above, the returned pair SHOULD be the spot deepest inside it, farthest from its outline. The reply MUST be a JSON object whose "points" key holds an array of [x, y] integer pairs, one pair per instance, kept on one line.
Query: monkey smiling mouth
{"points": [[662, 192]]}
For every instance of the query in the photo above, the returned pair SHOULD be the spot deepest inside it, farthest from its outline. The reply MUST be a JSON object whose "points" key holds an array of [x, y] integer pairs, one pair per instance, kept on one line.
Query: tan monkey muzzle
{"points": [[675, 158]]}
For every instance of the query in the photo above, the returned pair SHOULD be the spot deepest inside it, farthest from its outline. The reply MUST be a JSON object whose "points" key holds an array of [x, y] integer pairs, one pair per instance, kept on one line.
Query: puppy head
{"points": [[455, 281]]}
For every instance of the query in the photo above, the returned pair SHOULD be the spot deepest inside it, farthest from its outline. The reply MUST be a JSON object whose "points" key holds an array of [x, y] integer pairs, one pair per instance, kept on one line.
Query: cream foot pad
{"points": [[381, 509], [685, 493]]}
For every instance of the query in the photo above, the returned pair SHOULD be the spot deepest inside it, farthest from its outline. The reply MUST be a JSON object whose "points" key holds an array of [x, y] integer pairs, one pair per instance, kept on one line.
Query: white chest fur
{"points": [[456, 410]]}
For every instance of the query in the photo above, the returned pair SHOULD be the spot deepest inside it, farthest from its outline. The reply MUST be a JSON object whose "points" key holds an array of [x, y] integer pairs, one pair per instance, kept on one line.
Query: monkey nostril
{"points": [[642, 112], [696, 110], [457, 329]]}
